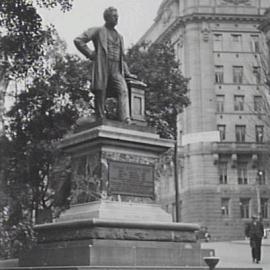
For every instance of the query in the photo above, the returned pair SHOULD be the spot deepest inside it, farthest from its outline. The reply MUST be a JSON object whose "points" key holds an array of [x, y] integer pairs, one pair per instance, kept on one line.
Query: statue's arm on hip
{"points": [[82, 40]]}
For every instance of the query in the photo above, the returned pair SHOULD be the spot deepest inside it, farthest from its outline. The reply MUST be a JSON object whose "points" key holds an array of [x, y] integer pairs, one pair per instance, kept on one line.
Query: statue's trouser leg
{"points": [[119, 85], [100, 97]]}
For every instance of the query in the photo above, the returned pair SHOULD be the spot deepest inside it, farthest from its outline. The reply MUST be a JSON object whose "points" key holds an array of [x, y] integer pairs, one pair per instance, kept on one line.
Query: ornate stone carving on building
{"points": [[205, 32], [167, 15]]}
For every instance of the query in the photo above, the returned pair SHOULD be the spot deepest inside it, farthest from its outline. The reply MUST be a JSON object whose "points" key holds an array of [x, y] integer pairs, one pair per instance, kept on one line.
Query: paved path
{"points": [[238, 254]]}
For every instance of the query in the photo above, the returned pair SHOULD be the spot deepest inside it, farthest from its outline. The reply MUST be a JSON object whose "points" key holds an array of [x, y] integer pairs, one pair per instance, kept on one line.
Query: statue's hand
{"points": [[131, 76], [92, 56]]}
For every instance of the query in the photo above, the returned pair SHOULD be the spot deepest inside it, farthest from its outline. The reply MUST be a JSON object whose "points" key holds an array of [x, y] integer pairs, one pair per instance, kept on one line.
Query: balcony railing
{"points": [[235, 147]]}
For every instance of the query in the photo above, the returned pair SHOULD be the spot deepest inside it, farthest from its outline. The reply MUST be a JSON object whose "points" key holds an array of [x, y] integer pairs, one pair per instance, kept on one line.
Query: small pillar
{"points": [[137, 101]]}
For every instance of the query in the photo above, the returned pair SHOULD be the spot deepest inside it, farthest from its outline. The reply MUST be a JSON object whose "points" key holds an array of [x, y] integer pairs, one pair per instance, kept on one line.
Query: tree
{"points": [[24, 33], [167, 90], [166, 95], [44, 111], [23, 40]]}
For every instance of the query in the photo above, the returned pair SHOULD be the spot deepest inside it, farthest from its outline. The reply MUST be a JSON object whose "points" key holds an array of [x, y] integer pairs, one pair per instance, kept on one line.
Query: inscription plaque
{"points": [[131, 179]]}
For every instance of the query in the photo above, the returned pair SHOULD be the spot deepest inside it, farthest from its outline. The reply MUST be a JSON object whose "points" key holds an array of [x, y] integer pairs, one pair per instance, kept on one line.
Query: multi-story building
{"points": [[221, 50]]}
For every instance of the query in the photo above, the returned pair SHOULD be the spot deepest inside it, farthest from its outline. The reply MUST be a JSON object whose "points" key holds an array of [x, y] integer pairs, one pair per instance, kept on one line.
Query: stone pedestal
{"points": [[114, 219]]}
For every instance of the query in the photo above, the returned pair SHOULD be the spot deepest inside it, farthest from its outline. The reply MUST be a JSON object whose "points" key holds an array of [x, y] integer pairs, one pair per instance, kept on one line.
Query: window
{"points": [[259, 134], [240, 133], [237, 74], [225, 207], [236, 42], [260, 177], [257, 74], [222, 171], [219, 74], [255, 43], [258, 103], [244, 207], [242, 173], [222, 132], [264, 207], [218, 42], [220, 103], [236, 37], [239, 103]]}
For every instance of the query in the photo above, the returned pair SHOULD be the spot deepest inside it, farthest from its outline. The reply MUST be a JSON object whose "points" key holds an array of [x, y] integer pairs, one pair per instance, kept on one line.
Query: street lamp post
{"points": [[3, 88], [259, 181], [176, 185], [258, 196]]}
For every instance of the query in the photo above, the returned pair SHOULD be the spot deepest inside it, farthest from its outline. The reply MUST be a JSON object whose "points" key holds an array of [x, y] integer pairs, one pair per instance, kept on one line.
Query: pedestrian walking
{"points": [[254, 231]]}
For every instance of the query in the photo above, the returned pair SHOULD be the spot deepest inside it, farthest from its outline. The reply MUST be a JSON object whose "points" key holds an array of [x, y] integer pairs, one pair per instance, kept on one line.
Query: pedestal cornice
{"points": [[191, 227], [109, 135]]}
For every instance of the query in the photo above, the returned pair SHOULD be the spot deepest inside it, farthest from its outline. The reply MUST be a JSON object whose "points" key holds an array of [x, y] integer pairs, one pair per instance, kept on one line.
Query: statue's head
{"points": [[110, 16]]}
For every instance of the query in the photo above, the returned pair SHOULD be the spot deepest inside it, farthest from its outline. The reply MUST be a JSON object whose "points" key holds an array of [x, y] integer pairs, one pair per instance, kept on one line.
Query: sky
{"points": [[135, 18]]}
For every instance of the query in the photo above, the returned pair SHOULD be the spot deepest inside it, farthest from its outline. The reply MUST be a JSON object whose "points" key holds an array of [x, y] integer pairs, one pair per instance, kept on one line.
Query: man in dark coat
{"points": [[109, 69], [254, 231]]}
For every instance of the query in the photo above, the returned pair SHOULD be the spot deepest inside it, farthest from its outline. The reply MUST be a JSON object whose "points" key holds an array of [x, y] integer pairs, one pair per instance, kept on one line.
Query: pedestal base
{"points": [[116, 253], [114, 234], [114, 210]]}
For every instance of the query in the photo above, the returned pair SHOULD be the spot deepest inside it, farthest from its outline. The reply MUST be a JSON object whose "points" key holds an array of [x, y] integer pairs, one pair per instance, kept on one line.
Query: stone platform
{"points": [[123, 211], [101, 242]]}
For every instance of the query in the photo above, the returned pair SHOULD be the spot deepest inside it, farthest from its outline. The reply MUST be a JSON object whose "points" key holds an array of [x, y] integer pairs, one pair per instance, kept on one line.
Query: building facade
{"points": [[221, 50]]}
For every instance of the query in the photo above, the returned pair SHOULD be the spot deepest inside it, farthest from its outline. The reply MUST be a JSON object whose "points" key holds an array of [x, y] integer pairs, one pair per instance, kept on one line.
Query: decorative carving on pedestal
{"points": [[86, 180], [105, 175]]}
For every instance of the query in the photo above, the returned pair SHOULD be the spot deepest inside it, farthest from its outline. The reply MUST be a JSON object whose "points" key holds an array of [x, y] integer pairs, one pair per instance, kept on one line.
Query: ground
{"points": [[238, 254]]}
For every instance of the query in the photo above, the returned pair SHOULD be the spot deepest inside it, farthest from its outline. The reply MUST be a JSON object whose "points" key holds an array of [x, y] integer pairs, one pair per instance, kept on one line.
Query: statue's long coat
{"points": [[98, 35]]}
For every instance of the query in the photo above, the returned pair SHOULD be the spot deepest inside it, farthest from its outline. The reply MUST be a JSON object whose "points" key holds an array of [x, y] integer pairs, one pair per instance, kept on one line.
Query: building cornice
{"points": [[197, 17]]}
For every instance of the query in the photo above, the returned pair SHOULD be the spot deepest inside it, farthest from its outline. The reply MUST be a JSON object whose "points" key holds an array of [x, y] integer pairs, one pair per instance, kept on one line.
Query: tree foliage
{"points": [[167, 89], [45, 110], [24, 35]]}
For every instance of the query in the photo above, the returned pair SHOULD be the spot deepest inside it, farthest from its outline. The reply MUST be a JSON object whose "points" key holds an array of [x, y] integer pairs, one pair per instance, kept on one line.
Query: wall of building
{"points": [[193, 33]]}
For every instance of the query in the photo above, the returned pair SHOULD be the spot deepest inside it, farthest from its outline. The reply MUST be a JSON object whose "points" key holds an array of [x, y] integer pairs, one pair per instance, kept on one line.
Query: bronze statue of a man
{"points": [[109, 68]]}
